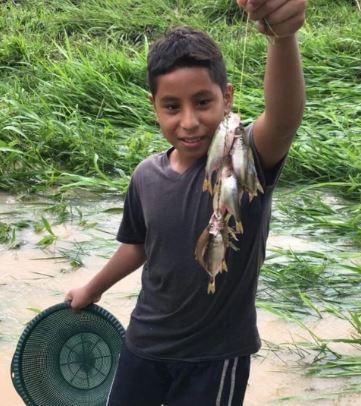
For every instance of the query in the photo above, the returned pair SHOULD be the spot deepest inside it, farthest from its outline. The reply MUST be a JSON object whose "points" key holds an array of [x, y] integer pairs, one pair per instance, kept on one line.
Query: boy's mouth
{"points": [[191, 140], [193, 143]]}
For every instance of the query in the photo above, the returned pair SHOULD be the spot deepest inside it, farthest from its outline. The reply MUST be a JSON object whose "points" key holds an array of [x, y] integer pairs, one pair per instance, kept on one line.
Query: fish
{"points": [[239, 155], [232, 158], [211, 248], [227, 233], [226, 200], [252, 182], [244, 167], [220, 147]]}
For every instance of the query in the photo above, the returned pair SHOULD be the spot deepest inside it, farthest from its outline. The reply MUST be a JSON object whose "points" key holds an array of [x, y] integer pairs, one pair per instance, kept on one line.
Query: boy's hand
{"points": [[80, 298], [280, 18]]}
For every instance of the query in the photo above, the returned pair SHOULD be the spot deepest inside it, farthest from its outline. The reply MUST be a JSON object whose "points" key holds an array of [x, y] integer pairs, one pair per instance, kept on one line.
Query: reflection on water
{"points": [[32, 279]]}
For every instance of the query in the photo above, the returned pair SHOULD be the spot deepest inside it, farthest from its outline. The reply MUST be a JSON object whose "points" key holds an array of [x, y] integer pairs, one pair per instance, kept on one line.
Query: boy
{"points": [[184, 346]]}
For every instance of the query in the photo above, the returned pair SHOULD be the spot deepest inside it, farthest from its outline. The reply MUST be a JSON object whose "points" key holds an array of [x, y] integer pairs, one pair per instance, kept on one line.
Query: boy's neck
{"points": [[180, 163]]}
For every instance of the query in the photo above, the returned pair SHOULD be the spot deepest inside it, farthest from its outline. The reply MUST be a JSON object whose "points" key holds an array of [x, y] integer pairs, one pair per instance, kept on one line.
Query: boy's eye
{"points": [[204, 102], [171, 107]]}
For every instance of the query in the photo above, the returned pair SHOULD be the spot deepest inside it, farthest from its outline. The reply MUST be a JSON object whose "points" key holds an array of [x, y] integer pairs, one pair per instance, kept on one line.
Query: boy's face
{"points": [[189, 107]]}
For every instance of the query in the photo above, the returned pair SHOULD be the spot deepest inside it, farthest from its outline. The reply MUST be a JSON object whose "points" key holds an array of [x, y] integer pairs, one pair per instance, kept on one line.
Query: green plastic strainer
{"points": [[65, 358]]}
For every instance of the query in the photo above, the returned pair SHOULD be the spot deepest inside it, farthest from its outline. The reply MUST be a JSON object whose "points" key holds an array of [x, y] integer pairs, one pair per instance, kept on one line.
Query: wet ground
{"points": [[34, 278]]}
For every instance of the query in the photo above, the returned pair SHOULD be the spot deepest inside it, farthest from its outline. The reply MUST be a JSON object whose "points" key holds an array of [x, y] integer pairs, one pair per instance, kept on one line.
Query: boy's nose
{"points": [[189, 120]]}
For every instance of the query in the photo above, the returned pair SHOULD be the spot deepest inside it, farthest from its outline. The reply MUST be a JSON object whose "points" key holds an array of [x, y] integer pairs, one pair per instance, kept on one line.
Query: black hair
{"points": [[185, 47]]}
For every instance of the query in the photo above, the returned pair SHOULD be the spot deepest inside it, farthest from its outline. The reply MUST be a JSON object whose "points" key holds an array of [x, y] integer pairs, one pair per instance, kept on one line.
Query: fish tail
{"points": [[211, 286], [227, 218], [251, 195]]}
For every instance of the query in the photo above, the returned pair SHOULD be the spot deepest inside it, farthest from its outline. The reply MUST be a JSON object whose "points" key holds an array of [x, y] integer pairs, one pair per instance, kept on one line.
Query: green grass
{"points": [[320, 214], [309, 283], [73, 86], [329, 363]]}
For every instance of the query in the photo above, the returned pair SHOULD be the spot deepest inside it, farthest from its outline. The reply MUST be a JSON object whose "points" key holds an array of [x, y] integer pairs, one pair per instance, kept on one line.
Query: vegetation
{"points": [[75, 117], [74, 109]]}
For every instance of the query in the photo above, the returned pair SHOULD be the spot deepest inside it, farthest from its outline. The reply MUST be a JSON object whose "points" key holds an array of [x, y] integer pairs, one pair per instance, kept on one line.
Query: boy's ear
{"points": [[151, 99], [228, 97]]}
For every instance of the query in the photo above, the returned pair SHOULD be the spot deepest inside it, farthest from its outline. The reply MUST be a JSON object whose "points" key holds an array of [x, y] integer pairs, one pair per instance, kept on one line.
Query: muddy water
{"points": [[30, 279]]}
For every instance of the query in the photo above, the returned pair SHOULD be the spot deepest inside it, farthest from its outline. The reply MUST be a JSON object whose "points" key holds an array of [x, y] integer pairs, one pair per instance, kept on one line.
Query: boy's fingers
{"points": [[265, 9], [255, 3], [287, 12], [75, 306], [251, 5], [283, 29], [276, 11], [73, 303], [242, 3]]}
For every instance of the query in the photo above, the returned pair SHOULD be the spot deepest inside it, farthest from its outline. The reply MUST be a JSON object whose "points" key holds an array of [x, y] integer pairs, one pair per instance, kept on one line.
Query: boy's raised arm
{"points": [[284, 84]]}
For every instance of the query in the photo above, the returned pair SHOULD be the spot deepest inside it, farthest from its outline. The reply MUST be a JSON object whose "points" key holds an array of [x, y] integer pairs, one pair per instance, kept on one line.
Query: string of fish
{"points": [[231, 157]]}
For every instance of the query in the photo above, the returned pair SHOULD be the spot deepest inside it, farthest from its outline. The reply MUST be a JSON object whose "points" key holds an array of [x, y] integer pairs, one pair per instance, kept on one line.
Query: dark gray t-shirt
{"points": [[175, 318]]}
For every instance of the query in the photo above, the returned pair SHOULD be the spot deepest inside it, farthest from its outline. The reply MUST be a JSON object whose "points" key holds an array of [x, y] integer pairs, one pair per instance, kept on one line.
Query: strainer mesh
{"points": [[67, 358]]}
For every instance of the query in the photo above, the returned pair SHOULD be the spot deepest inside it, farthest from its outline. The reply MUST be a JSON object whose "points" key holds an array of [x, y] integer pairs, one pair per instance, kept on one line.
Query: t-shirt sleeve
{"points": [[132, 228], [268, 178]]}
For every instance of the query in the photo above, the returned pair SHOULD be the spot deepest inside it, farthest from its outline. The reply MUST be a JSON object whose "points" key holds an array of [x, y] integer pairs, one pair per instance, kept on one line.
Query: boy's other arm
{"points": [[284, 87], [124, 261]]}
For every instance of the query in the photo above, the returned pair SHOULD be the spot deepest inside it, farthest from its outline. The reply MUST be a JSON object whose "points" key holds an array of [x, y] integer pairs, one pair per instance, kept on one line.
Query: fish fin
{"points": [[207, 186], [240, 195], [232, 233], [211, 286], [259, 186], [239, 227], [216, 188], [231, 245], [224, 266]]}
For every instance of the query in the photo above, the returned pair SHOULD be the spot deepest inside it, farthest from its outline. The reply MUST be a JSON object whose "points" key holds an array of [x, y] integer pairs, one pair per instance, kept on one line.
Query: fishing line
{"points": [[271, 30], [243, 58]]}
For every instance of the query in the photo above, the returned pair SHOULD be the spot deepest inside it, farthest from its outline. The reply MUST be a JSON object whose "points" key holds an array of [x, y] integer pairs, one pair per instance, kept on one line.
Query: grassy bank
{"points": [[74, 109]]}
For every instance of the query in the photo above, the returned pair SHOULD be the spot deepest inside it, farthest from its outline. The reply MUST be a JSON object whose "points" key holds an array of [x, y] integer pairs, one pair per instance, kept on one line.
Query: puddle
{"points": [[289, 242], [30, 279], [276, 376]]}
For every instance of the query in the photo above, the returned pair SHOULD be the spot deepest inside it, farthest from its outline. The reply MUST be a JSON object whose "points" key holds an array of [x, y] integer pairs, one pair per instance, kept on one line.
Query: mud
{"points": [[32, 279]]}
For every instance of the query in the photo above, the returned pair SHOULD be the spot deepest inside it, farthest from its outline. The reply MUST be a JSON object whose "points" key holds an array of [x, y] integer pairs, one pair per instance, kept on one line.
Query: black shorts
{"points": [[143, 382]]}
